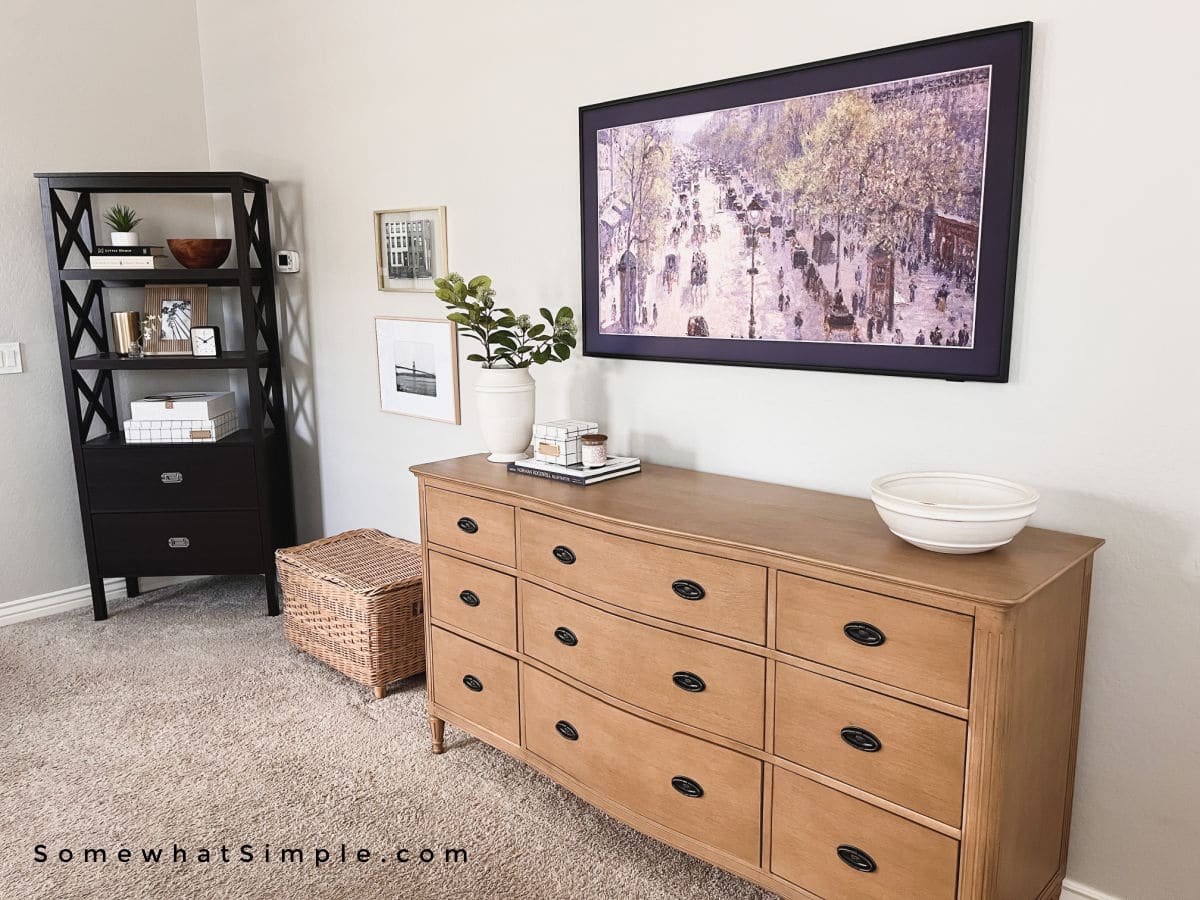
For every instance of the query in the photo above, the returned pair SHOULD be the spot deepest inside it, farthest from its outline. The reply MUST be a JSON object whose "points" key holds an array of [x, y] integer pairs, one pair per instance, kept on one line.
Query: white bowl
{"points": [[950, 512]]}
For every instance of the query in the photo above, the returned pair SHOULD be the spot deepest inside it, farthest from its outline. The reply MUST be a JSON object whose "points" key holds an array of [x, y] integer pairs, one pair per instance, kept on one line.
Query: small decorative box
{"points": [[181, 431], [182, 405], [558, 441]]}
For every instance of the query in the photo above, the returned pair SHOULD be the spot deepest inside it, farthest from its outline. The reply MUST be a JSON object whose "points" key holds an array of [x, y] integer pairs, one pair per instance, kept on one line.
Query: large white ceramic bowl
{"points": [[951, 512]]}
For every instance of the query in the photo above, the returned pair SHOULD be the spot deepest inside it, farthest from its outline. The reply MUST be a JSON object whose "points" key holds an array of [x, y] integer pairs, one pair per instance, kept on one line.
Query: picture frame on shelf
{"points": [[177, 309], [410, 248], [857, 214], [417, 361]]}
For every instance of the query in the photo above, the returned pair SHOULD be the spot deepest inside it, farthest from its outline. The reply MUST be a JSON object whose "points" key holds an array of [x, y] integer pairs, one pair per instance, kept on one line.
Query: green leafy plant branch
{"points": [[122, 218], [505, 337]]}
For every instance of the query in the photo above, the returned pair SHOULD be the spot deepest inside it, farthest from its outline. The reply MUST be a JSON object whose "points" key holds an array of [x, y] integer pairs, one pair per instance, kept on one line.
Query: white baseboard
{"points": [[57, 601], [79, 597], [1073, 890]]}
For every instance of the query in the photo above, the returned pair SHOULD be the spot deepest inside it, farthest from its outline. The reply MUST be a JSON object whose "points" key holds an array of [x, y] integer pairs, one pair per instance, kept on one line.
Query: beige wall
{"points": [[65, 70]]}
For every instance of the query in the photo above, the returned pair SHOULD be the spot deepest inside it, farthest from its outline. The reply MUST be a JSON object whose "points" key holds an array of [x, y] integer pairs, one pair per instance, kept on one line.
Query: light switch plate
{"points": [[10, 359]]}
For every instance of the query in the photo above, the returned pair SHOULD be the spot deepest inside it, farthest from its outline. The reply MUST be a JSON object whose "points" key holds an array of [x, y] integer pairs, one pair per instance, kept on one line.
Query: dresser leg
{"points": [[438, 729], [99, 600], [272, 592], [131, 587]]}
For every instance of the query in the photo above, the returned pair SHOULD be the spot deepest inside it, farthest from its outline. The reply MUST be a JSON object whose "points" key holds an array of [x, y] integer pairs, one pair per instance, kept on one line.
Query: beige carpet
{"points": [[187, 719]]}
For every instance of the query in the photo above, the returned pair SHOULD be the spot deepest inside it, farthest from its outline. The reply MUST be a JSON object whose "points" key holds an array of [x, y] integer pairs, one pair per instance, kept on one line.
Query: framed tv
{"points": [[858, 214]]}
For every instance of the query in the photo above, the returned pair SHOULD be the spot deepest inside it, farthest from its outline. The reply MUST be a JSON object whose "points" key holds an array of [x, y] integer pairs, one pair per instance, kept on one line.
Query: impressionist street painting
{"points": [[847, 216]]}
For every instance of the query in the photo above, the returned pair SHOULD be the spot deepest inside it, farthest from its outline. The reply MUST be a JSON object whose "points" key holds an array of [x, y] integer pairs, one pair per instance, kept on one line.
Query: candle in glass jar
{"points": [[593, 450]]}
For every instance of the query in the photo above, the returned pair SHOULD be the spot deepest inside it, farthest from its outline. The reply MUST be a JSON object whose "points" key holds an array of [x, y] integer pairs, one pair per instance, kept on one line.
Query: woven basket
{"points": [[354, 602]]}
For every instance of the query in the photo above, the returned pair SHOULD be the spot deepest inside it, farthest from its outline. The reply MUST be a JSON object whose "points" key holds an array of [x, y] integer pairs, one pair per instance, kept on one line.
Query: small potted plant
{"points": [[122, 220], [510, 345]]}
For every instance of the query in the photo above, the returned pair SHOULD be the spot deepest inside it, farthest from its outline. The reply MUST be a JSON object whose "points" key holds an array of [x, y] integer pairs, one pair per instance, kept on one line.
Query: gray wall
{"points": [[65, 70]]}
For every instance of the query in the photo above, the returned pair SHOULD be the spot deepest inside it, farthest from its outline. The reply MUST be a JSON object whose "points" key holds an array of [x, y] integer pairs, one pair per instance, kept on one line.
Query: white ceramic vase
{"points": [[124, 238], [505, 400]]}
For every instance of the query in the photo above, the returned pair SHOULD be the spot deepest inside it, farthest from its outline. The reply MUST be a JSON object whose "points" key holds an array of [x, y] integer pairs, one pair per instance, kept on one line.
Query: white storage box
{"points": [[181, 431], [558, 441], [183, 406]]}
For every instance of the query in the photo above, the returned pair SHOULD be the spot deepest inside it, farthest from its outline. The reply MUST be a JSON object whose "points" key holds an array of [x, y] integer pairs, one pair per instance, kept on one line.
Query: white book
{"points": [[182, 405], [611, 465], [128, 262]]}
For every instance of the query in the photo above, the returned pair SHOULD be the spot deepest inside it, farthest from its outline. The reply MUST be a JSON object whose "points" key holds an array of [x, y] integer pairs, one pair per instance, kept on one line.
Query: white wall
{"points": [[64, 70], [473, 104]]}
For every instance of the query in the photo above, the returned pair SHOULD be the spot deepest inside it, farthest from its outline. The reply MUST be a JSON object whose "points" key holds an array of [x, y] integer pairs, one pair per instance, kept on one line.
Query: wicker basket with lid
{"points": [[354, 602]]}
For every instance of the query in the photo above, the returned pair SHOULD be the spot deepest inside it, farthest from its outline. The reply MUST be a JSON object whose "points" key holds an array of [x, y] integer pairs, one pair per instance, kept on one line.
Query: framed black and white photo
{"points": [[418, 367], [858, 214], [176, 308], [410, 248]]}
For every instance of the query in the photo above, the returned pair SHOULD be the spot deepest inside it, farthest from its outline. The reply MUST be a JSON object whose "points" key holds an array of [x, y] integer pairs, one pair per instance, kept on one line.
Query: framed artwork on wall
{"points": [[858, 214], [410, 248], [177, 308], [418, 367]]}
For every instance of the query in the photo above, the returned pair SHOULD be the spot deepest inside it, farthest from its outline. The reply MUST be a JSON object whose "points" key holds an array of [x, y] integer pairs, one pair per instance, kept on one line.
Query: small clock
{"points": [[206, 340]]}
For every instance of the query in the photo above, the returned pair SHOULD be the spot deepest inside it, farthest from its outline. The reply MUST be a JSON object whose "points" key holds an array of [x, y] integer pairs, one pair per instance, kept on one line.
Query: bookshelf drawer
{"points": [[171, 477], [226, 542]]}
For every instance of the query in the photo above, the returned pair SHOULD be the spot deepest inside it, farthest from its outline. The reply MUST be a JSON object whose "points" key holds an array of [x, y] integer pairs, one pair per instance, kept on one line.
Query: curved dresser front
{"points": [[763, 677]]}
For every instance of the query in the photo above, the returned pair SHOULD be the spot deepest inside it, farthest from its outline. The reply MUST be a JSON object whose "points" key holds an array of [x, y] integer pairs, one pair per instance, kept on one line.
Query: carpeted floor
{"points": [[186, 719]]}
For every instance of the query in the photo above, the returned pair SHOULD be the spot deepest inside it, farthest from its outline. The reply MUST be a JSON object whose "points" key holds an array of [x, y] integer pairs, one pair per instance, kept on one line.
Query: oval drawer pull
{"points": [[861, 739], [687, 787], [864, 633], [179, 543], [687, 589], [473, 683], [469, 597], [566, 636], [467, 524], [855, 858], [171, 478], [564, 555], [689, 681], [566, 729]]}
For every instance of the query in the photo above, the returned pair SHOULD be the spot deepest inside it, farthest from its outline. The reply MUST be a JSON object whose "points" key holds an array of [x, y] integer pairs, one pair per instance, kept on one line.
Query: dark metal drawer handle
{"points": [[864, 633], [687, 787], [472, 683], [689, 682], [564, 555], [687, 589], [171, 478], [861, 739], [566, 636], [566, 729], [467, 524], [178, 543], [469, 597], [855, 858]]}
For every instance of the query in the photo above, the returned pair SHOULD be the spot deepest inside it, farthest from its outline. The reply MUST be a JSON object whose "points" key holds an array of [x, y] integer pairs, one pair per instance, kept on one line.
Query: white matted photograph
{"points": [[418, 368], [410, 248]]}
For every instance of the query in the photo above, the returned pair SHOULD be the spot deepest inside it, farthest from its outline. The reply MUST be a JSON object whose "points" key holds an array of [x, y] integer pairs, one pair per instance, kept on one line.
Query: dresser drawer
{"points": [[695, 589], [646, 767], [226, 542], [915, 647], [706, 685], [480, 527], [473, 598], [477, 683], [206, 476], [905, 753], [837, 846]]}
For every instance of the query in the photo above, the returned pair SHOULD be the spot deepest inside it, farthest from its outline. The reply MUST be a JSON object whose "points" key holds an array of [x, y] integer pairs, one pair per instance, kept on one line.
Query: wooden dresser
{"points": [[764, 677]]}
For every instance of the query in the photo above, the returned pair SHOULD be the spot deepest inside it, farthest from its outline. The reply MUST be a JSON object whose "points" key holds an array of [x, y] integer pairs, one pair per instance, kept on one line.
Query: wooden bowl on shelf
{"points": [[200, 253]]}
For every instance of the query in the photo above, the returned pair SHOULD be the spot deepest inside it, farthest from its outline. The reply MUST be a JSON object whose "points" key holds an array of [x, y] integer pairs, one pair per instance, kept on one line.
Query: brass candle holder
{"points": [[127, 332]]}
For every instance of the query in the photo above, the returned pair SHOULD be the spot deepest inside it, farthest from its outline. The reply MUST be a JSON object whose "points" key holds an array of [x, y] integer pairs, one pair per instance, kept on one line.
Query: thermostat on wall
{"points": [[287, 261]]}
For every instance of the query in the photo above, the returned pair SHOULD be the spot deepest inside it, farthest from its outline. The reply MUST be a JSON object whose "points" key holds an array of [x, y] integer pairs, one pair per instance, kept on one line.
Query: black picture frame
{"points": [[1007, 50]]}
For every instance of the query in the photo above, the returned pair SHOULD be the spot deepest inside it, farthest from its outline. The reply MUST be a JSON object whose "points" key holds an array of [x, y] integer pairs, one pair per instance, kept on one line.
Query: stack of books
{"points": [[201, 417], [614, 467], [137, 256]]}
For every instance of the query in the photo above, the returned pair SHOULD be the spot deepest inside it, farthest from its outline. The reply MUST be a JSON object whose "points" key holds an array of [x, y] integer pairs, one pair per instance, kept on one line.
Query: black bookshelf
{"points": [[170, 509]]}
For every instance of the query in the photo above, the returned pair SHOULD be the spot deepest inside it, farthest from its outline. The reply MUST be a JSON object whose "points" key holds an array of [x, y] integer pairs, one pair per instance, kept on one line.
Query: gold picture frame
{"points": [[411, 249], [417, 365], [178, 307]]}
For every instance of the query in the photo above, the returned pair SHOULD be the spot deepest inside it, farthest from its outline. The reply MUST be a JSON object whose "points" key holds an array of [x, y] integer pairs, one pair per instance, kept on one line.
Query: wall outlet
{"points": [[10, 359]]}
